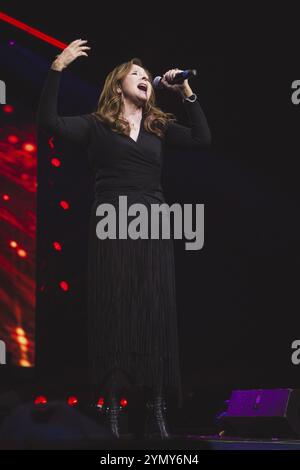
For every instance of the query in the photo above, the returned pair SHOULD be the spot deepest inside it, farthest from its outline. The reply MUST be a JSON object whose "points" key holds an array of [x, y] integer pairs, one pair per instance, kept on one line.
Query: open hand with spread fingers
{"points": [[75, 49]]}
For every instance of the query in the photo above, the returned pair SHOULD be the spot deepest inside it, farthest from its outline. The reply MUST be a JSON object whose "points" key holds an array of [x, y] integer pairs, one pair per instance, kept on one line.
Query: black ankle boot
{"points": [[112, 412], [156, 425]]}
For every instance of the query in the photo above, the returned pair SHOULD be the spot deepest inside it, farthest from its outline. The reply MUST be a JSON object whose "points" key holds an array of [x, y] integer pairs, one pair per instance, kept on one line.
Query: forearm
{"points": [[47, 110], [198, 123], [186, 91], [73, 128], [57, 65], [200, 131], [197, 133]]}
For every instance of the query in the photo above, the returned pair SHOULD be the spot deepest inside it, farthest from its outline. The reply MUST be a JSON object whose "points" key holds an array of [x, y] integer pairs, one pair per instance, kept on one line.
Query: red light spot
{"points": [[50, 142], [123, 402], [64, 204], [29, 147], [6, 197], [100, 402], [22, 253], [24, 176], [13, 244], [40, 400], [64, 285], [56, 162], [13, 139], [8, 108], [72, 401], [57, 246]]}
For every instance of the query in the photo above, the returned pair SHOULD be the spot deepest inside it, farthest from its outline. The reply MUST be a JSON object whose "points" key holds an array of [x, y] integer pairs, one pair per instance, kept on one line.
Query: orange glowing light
{"points": [[29, 147], [25, 363], [20, 331], [22, 253]]}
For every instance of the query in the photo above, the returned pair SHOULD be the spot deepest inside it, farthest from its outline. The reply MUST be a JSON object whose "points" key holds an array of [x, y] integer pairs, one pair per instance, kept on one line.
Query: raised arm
{"points": [[72, 128], [197, 134]]}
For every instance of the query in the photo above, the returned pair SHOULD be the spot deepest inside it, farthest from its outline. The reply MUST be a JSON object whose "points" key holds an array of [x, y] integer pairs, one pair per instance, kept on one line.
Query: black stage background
{"points": [[238, 297]]}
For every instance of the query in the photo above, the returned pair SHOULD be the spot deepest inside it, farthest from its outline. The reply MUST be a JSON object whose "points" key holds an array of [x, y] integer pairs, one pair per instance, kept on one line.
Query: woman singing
{"points": [[132, 318]]}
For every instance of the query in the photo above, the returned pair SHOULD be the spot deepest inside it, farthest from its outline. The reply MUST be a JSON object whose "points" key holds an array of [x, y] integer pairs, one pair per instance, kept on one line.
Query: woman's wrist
{"points": [[57, 65], [186, 91]]}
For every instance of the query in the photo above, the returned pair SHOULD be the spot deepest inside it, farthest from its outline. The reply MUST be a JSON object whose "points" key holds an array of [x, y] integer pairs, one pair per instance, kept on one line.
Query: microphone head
{"points": [[157, 82]]}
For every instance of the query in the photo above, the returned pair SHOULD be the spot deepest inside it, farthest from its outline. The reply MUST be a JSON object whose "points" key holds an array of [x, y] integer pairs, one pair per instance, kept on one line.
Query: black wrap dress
{"points": [[132, 317]]}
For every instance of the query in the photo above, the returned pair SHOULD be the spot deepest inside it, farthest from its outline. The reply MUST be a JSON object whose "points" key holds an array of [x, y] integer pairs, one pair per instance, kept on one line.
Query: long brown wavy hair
{"points": [[110, 104]]}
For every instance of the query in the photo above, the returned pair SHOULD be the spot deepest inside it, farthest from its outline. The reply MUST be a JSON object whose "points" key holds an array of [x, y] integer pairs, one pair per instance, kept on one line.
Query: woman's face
{"points": [[136, 85]]}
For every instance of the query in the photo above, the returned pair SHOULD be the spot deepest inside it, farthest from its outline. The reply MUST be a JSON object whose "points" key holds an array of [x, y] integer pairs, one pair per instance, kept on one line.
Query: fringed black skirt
{"points": [[132, 316]]}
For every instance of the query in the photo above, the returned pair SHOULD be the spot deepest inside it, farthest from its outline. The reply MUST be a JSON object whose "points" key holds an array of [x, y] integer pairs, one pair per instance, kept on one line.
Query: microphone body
{"points": [[179, 78]]}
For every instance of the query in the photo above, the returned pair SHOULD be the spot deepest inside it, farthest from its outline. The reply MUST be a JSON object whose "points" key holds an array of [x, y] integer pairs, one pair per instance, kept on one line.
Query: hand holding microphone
{"points": [[176, 80]]}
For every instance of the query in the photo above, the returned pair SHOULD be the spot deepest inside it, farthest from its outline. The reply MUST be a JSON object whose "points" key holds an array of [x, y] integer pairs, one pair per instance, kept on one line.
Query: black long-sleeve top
{"points": [[119, 161]]}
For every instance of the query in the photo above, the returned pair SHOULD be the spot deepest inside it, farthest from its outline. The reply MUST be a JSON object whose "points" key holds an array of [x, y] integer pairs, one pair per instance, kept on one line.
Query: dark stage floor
{"points": [[179, 442]]}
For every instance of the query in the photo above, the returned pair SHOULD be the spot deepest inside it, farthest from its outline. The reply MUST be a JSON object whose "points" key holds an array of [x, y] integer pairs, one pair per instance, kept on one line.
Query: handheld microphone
{"points": [[179, 78]]}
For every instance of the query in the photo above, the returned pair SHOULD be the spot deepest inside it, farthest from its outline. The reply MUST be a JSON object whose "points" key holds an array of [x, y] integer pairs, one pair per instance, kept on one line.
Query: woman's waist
{"points": [[123, 181], [135, 188], [133, 195]]}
